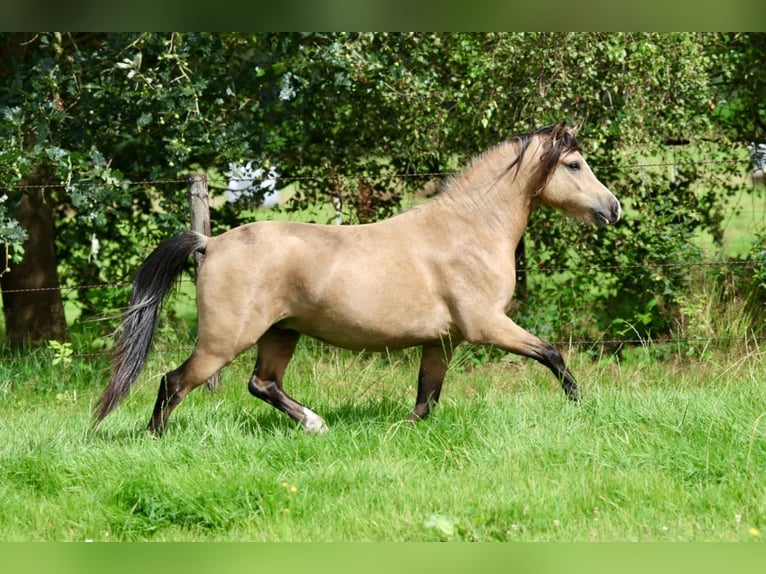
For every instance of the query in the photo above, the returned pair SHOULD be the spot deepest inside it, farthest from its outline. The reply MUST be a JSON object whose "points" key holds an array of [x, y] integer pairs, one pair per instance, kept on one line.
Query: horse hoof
{"points": [[312, 422]]}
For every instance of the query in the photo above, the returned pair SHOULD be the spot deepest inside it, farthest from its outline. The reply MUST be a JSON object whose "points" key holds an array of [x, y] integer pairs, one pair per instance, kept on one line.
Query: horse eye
{"points": [[573, 165]]}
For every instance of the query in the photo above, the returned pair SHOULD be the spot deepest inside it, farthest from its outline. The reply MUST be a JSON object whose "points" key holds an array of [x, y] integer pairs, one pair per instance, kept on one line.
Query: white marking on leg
{"points": [[312, 422]]}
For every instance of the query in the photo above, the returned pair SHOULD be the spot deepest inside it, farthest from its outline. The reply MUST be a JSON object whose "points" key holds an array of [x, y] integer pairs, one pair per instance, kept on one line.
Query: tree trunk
{"points": [[32, 304]]}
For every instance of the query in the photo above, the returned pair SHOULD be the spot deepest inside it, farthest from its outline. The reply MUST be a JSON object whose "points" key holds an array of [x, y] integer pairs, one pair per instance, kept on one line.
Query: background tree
{"points": [[739, 76]]}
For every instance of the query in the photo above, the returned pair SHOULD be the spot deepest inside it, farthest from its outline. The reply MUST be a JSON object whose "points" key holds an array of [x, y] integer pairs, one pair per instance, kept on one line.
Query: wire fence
{"points": [[221, 185], [746, 163]]}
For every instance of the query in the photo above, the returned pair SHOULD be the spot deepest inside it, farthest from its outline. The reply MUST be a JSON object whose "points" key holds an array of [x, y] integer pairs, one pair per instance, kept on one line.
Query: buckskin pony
{"points": [[433, 276]]}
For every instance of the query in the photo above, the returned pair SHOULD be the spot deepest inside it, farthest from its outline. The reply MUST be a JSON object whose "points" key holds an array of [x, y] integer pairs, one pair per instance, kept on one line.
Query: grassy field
{"points": [[656, 451]]}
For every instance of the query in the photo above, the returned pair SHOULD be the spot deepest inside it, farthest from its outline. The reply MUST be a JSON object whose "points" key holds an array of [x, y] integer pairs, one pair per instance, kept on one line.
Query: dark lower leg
{"points": [[275, 349], [272, 393], [506, 334], [433, 368], [168, 398], [551, 358], [176, 384]]}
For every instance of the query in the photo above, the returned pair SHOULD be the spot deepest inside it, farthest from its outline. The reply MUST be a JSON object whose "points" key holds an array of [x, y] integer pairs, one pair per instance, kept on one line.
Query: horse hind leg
{"points": [[176, 384], [275, 349]]}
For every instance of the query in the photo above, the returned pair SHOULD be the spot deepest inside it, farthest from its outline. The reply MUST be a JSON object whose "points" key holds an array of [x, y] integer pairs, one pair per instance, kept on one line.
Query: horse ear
{"points": [[575, 129], [558, 131]]}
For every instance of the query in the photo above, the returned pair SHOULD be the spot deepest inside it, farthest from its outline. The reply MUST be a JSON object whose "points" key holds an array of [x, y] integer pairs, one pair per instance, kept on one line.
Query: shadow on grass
{"points": [[255, 419], [268, 420]]}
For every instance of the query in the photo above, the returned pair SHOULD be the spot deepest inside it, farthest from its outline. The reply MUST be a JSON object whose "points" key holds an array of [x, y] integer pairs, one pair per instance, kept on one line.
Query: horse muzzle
{"points": [[606, 215]]}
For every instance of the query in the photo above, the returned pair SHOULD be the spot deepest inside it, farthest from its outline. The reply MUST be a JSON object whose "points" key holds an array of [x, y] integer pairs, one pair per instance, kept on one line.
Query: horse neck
{"points": [[487, 195]]}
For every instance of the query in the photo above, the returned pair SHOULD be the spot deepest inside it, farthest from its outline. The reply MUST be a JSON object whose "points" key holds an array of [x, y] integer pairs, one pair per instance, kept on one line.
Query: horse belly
{"points": [[371, 325], [357, 337]]}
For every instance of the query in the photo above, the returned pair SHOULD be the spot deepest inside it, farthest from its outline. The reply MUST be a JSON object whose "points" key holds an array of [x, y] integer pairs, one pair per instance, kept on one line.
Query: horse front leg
{"points": [[504, 333], [433, 368]]}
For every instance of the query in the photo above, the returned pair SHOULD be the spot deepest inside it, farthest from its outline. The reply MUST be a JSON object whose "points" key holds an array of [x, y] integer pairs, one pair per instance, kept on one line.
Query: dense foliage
{"points": [[364, 118]]}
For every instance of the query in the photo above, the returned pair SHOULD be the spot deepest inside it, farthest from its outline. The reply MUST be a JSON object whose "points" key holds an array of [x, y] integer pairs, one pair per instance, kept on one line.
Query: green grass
{"points": [[661, 451]]}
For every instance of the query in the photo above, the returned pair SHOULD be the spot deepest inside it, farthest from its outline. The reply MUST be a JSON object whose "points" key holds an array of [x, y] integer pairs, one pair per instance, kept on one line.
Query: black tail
{"points": [[154, 280]]}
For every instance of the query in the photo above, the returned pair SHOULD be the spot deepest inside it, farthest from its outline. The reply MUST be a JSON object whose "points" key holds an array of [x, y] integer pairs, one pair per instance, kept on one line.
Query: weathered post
{"points": [[199, 210]]}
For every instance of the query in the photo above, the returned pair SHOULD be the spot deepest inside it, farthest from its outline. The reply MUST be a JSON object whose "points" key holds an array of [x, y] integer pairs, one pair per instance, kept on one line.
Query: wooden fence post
{"points": [[199, 210]]}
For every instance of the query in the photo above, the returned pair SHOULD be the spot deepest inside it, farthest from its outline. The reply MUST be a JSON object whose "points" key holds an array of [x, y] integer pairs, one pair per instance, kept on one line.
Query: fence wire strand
{"points": [[354, 177]]}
